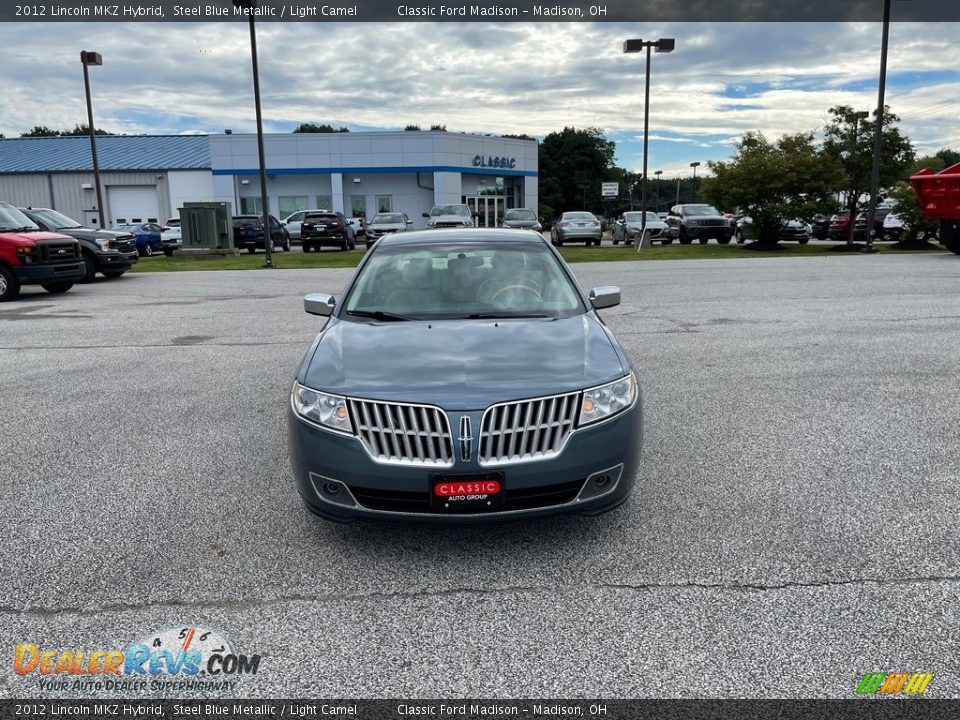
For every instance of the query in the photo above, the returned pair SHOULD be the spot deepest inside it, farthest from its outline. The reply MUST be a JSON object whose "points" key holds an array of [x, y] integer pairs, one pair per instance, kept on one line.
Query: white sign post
{"points": [[610, 189]]}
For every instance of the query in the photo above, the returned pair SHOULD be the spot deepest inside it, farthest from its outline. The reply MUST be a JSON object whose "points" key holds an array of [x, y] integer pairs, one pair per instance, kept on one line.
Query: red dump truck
{"points": [[938, 194]]}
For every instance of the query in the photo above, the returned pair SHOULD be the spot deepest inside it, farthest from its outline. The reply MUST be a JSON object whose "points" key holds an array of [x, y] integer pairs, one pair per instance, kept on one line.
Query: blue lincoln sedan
{"points": [[464, 376]]}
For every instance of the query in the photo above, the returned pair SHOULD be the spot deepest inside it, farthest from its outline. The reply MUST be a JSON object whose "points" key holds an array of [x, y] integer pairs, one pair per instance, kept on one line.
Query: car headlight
{"points": [[103, 243], [604, 401], [328, 410]]}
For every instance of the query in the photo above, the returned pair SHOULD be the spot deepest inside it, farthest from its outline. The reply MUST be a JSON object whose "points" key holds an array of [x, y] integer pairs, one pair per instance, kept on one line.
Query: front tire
{"points": [[251, 250], [89, 269], [723, 241], [9, 285], [803, 241], [57, 287], [684, 238], [148, 249], [704, 241]]}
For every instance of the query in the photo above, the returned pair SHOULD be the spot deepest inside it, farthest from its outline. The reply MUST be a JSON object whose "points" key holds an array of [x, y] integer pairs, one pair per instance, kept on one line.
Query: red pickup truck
{"points": [[29, 256]]}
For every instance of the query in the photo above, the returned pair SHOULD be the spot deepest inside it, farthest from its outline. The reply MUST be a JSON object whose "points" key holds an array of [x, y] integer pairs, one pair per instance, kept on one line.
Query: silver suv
{"points": [[448, 216]]}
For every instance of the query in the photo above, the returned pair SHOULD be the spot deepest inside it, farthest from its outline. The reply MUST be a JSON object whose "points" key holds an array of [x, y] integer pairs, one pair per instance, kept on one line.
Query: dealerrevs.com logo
{"points": [[896, 683], [175, 659]]}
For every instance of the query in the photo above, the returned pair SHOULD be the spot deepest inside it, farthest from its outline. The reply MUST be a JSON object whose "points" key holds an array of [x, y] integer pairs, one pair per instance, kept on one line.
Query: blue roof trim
{"points": [[378, 170], [114, 153]]}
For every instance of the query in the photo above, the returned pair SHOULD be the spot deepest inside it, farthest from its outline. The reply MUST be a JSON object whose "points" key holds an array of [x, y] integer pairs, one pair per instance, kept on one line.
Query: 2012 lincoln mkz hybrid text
{"points": [[464, 376]]}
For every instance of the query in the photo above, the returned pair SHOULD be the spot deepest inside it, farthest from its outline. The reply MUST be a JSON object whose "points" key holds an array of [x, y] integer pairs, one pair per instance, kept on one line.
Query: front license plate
{"points": [[466, 493]]}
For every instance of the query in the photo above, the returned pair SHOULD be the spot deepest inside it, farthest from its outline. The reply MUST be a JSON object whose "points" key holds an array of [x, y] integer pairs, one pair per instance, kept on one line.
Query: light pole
{"points": [[855, 191], [695, 165], [658, 173], [87, 58], [250, 6], [878, 130], [664, 45]]}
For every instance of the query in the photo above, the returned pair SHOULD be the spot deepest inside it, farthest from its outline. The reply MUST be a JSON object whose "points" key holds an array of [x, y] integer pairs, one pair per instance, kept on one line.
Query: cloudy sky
{"points": [[723, 80]]}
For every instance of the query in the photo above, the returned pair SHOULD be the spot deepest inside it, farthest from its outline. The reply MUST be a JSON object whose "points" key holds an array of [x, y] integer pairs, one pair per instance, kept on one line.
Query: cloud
{"points": [[724, 79]]}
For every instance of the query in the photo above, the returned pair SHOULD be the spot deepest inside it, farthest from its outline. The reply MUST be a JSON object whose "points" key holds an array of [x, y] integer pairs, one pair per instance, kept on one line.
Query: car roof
{"points": [[481, 236]]}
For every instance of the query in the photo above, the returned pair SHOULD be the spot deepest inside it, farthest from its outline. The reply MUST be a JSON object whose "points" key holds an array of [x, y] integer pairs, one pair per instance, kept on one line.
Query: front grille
{"points": [[448, 224], [124, 243], [58, 253], [419, 502], [528, 429], [403, 434], [712, 223]]}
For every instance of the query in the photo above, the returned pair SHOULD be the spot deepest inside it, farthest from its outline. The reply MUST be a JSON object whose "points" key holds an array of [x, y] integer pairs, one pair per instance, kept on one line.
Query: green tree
{"points": [[319, 128], [83, 130], [40, 131], [949, 157], [412, 128], [44, 131], [850, 141], [573, 164], [438, 128], [774, 182]]}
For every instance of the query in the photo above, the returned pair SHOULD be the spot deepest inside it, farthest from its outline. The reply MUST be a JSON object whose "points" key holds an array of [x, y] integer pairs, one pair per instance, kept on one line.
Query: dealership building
{"points": [[149, 177]]}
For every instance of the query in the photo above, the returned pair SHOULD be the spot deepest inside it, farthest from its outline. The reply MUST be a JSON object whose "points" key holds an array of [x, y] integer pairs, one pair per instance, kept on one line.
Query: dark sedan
{"points": [[464, 376]]}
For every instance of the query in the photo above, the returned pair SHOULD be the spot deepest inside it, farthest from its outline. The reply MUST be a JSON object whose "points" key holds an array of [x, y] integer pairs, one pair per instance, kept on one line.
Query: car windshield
{"points": [[579, 216], [462, 280], [520, 214], [173, 222], [700, 210], [13, 219], [125, 226], [637, 217], [385, 218], [56, 220], [450, 210]]}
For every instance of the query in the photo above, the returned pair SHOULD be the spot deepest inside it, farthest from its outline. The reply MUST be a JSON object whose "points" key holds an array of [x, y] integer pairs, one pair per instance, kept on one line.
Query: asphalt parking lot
{"points": [[794, 524]]}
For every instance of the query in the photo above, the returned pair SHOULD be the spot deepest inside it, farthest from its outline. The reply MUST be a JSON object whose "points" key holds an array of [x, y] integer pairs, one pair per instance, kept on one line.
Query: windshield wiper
{"points": [[502, 315], [69, 227], [377, 315]]}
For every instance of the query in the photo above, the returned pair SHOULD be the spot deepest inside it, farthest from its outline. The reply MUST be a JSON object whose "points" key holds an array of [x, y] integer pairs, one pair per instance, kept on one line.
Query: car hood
{"points": [[387, 226], [520, 223], [449, 219], [26, 238], [84, 233], [463, 364]]}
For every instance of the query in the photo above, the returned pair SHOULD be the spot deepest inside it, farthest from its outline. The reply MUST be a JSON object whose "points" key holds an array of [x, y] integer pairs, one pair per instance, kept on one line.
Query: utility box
{"points": [[206, 226]]}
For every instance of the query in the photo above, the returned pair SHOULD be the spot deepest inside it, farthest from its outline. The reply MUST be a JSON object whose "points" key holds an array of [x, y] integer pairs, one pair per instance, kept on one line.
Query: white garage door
{"points": [[132, 203]]}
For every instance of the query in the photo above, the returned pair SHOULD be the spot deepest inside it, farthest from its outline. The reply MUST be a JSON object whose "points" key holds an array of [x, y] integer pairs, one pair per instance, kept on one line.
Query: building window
{"points": [[250, 206], [292, 203], [324, 202], [384, 203], [358, 206]]}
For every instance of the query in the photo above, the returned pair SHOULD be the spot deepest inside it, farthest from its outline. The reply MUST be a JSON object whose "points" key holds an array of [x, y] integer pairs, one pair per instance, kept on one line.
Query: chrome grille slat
{"points": [[527, 429], [403, 433]]}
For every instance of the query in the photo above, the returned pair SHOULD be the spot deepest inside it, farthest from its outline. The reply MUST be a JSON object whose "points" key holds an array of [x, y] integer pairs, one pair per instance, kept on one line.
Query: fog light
{"points": [[331, 488], [601, 480]]}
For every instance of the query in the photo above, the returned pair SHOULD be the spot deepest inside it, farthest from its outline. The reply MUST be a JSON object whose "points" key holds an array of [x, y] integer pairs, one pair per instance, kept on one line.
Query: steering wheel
{"points": [[525, 288]]}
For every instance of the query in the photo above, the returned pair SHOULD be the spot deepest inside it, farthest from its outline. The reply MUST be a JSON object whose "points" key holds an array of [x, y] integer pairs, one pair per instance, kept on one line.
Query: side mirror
{"points": [[320, 303], [409, 222], [426, 215], [604, 297]]}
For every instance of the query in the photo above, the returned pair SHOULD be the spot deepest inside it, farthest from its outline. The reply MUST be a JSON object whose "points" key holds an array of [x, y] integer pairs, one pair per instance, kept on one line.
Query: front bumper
{"points": [[595, 472], [42, 273], [709, 231], [579, 234], [117, 261]]}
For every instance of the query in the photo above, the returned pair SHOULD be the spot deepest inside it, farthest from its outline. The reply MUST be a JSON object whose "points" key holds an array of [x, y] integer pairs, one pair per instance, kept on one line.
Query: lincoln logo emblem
{"points": [[466, 441]]}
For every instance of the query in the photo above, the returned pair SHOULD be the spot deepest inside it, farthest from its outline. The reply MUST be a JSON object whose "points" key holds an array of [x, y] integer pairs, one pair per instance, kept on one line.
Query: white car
{"points": [[627, 228], [293, 221], [171, 236]]}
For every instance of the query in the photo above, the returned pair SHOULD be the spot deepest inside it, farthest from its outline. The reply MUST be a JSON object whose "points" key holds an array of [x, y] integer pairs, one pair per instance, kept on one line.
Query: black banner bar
{"points": [[482, 11], [858, 709]]}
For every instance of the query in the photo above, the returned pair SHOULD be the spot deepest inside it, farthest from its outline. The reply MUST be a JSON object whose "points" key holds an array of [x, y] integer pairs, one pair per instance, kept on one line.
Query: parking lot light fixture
{"points": [[663, 45], [250, 6], [878, 130], [695, 165], [87, 58]]}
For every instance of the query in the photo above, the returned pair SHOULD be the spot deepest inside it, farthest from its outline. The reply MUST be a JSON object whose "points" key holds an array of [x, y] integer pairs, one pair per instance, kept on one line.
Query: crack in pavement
{"points": [[251, 603]]}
